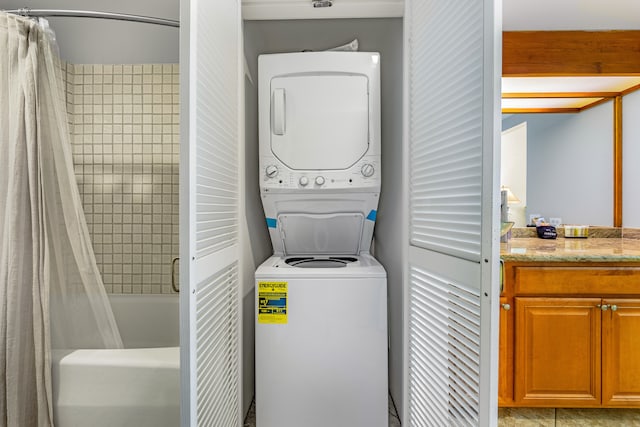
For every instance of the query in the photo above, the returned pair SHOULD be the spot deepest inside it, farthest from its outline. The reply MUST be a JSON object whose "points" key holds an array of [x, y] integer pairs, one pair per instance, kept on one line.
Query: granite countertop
{"points": [[594, 249]]}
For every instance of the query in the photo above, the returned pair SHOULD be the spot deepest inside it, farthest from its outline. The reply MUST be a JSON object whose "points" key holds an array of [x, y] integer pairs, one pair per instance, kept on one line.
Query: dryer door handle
{"points": [[278, 111]]}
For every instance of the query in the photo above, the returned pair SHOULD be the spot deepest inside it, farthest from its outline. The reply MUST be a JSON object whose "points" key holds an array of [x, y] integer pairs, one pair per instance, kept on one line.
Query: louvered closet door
{"points": [[209, 215], [452, 93]]}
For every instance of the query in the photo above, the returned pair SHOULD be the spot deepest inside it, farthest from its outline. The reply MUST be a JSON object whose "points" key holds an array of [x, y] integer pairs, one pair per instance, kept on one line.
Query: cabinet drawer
{"points": [[532, 280]]}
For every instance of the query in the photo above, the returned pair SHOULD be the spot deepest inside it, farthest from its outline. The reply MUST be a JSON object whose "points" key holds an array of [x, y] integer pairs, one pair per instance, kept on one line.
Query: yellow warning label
{"points": [[272, 302]]}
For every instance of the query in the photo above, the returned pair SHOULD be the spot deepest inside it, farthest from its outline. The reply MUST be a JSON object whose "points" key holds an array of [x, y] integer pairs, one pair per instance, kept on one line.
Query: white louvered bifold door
{"points": [[452, 115], [209, 214]]}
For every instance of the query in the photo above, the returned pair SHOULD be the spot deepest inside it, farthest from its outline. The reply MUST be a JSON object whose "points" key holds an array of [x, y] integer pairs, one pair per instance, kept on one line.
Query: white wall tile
{"points": [[125, 137]]}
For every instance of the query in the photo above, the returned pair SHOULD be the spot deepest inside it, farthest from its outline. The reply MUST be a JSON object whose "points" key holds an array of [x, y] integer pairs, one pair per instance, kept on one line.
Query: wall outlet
{"points": [[555, 222], [533, 218]]}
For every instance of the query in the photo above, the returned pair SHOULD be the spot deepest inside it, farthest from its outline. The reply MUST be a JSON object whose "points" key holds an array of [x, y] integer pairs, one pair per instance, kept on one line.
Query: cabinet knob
{"points": [[604, 307], [506, 306], [614, 307]]}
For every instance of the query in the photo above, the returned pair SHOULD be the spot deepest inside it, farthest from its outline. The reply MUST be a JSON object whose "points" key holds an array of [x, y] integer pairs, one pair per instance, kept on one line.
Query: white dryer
{"points": [[321, 300]]}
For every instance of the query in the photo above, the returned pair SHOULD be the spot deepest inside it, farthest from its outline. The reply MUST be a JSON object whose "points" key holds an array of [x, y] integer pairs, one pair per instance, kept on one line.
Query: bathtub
{"points": [[136, 386]]}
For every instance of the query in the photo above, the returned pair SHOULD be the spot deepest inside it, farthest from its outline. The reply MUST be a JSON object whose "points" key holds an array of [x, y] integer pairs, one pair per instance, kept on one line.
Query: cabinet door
{"points": [[620, 350], [557, 351], [505, 355]]}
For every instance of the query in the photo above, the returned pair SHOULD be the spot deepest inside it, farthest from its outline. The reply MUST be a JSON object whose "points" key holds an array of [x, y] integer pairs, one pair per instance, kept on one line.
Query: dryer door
{"points": [[320, 122]]}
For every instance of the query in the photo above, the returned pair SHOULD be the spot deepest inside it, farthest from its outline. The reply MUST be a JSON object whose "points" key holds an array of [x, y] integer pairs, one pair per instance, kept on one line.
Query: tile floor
{"points": [[550, 417], [536, 417], [394, 421]]}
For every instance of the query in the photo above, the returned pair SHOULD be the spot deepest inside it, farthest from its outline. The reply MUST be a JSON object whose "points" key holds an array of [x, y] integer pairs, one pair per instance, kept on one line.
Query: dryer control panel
{"points": [[365, 174]]}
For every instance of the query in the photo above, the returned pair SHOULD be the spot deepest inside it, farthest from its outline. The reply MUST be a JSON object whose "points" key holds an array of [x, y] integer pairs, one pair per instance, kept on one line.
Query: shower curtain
{"points": [[51, 292]]}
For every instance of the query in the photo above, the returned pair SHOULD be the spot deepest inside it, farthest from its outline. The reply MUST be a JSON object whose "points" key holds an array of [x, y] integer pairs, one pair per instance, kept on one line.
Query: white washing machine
{"points": [[326, 363], [321, 300]]}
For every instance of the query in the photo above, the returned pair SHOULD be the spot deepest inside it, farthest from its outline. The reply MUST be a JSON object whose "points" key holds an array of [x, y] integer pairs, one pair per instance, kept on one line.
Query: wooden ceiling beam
{"points": [[596, 103], [629, 90], [552, 95], [570, 53], [545, 110]]}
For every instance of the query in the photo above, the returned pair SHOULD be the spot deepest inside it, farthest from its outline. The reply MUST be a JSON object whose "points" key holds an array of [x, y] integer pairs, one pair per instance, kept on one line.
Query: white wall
{"points": [[570, 165], [98, 41], [631, 154], [259, 248], [384, 36]]}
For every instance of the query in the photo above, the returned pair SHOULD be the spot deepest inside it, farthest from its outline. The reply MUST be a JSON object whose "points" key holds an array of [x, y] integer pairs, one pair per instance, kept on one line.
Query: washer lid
{"points": [[322, 234], [320, 121]]}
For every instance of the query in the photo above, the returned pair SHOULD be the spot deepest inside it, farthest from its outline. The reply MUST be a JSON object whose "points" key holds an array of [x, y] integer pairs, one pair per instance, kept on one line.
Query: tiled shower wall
{"points": [[125, 136]]}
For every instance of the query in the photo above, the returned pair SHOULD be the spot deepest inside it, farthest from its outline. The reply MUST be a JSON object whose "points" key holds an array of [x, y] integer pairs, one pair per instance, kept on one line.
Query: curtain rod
{"points": [[27, 12]]}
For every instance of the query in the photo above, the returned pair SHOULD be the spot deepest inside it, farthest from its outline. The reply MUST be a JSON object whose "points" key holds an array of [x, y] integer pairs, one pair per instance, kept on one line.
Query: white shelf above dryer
{"points": [[303, 9]]}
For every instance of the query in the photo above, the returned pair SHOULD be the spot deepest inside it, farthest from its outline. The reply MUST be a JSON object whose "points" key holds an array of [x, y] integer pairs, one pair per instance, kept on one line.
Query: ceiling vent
{"points": [[322, 3]]}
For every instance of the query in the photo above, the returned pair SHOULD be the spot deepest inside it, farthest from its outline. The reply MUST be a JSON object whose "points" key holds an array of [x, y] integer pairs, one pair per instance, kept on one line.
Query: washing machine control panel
{"points": [[365, 174]]}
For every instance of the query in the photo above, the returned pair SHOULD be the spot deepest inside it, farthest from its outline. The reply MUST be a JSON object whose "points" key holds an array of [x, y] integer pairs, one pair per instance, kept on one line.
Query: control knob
{"points": [[271, 171], [367, 170], [303, 181], [319, 180]]}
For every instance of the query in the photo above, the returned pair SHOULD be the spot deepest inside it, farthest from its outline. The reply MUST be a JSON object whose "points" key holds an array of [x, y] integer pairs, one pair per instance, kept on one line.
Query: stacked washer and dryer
{"points": [[321, 299]]}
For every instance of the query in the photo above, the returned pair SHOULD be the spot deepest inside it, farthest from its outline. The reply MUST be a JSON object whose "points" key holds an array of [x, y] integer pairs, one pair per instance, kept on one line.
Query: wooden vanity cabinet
{"points": [[621, 353], [572, 335]]}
